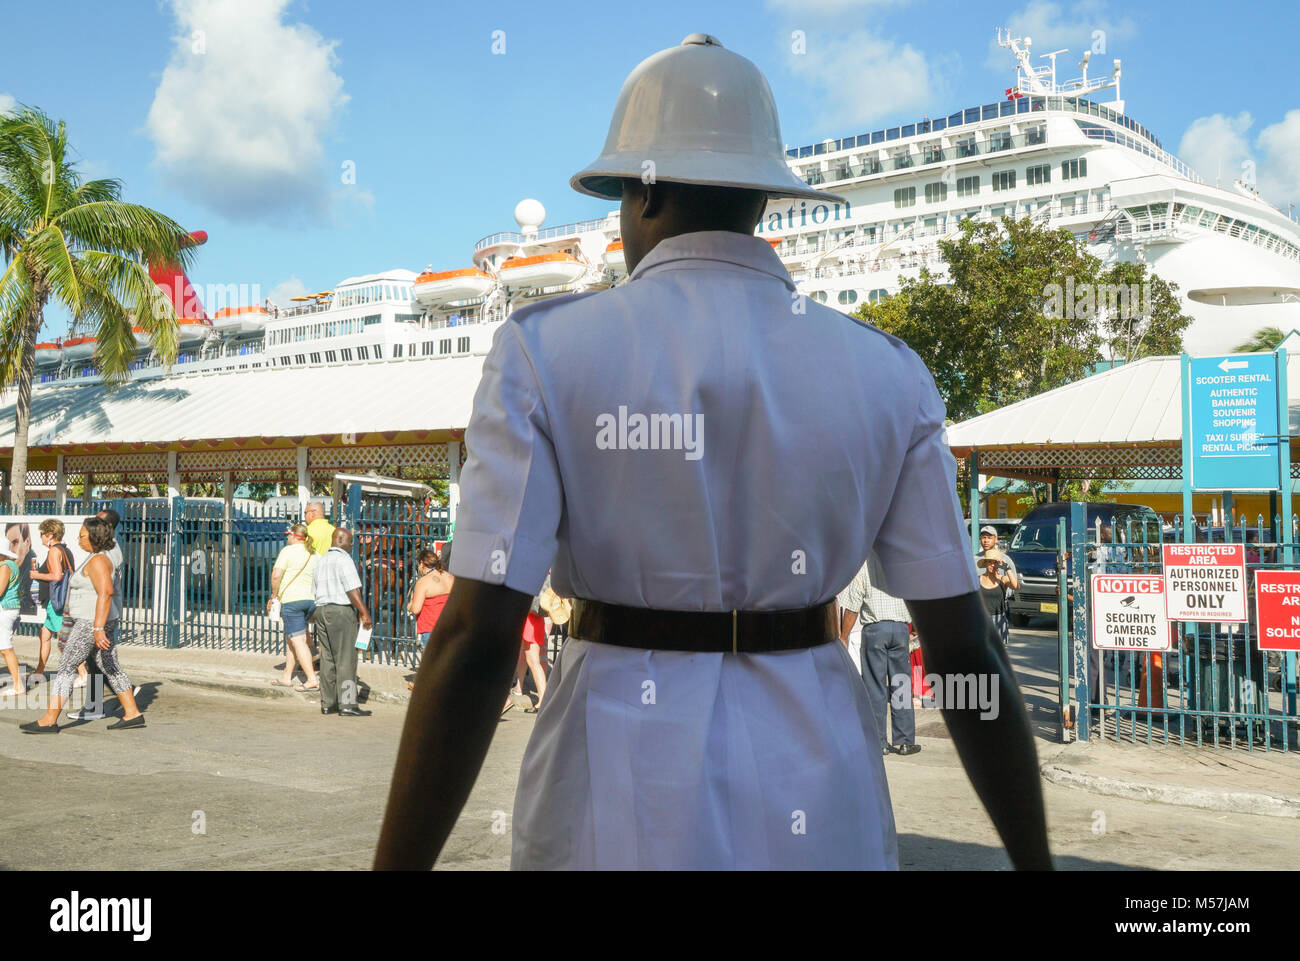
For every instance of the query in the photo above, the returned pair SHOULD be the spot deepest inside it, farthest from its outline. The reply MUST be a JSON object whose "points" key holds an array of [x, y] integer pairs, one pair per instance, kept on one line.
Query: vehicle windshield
{"points": [[1035, 536]]}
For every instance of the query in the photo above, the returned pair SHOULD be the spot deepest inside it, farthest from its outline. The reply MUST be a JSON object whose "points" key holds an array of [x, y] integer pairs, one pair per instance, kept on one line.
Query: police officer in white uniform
{"points": [[675, 449]]}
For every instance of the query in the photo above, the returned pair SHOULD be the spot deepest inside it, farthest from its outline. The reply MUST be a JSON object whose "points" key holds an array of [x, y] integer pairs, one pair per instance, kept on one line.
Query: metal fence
{"points": [[1215, 686], [197, 572]]}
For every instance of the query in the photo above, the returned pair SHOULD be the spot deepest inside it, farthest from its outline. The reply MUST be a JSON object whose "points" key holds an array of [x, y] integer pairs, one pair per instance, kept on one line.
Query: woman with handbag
{"points": [[293, 600], [54, 576]]}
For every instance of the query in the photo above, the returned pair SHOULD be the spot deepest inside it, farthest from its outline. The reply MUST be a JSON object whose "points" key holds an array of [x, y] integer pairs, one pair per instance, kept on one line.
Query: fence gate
{"points": [[1214, 687]]}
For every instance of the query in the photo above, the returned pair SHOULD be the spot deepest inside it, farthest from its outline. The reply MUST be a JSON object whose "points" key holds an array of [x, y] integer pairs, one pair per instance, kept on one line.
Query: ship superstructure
{"points": [[1048, 149]]}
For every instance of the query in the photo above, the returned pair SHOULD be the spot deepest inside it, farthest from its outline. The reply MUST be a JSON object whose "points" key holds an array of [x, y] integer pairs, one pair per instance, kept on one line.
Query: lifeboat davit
{"points": [[78, 347], [237, 320], [543, 270], [614, 258], [433, 289], [49, 353]]}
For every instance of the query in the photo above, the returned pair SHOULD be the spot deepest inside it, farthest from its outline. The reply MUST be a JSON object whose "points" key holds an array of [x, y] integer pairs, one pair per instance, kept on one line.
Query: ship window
{"points": [[462, 345], [347, 354], [444, 346], [1074, 169], [315, 357], [939, 123], [331, 356], [1040, 174], [971, 115], [848, 297], [909, 130], [875, 296], [1004, 180], [968, 186], [426, 348], [936, 192], [1006, 108], [300, 359], [397, 351], [905, 197], [1001, 140], [379, 351], [363, 353]]}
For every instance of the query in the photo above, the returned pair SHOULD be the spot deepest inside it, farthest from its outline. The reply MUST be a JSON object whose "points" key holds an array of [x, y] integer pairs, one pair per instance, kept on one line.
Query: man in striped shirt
{"points": [[885, 661]]}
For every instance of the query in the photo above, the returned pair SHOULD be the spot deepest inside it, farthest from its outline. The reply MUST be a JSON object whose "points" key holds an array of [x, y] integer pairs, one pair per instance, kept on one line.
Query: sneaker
{"points": [[87, 714]]}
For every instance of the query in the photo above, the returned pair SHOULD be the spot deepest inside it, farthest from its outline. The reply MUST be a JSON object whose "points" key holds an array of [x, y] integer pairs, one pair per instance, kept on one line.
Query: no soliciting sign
{"points": [[1205, 582], [1128, 613]]}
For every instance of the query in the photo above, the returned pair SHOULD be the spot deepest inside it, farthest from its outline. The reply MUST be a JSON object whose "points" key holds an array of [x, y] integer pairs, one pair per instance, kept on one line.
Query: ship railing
{"points": [[928, 157], [550, 233]]}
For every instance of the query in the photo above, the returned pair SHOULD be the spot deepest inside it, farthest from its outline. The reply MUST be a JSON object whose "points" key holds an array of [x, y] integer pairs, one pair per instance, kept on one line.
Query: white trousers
{"points": [[669, 760]]}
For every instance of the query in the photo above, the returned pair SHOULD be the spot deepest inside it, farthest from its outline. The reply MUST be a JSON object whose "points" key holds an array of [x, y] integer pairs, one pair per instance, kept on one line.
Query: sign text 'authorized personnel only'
{"points": [[1205, 582]]}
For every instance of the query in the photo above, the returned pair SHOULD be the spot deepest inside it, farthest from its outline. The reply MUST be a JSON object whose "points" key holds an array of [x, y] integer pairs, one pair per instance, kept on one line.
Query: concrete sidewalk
{"points": [[236, 672], [1219, 779]]}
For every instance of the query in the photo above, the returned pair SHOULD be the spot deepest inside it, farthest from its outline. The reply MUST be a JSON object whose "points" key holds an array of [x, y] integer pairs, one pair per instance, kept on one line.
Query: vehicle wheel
{"points": [[1018, 620]]}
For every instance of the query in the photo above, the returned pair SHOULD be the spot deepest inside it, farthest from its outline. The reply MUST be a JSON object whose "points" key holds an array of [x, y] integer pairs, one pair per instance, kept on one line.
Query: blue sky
{"points": [[246, 117]]}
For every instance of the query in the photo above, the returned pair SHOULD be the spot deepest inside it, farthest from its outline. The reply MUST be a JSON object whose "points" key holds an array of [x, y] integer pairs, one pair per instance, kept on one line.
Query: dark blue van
{"points": [[1034, 550]]}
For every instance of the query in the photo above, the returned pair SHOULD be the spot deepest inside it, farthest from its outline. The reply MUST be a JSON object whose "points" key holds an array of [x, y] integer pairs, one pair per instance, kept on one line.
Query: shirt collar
{"points": [[723, 246]]}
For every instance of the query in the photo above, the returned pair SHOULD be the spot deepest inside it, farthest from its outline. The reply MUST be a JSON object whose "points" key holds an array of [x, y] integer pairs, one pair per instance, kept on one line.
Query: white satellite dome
{"points": [[529, 215]]}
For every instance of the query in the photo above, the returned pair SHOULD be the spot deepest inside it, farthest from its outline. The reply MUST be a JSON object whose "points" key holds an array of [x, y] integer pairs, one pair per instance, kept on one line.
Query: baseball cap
{"points": [[989, 529]]}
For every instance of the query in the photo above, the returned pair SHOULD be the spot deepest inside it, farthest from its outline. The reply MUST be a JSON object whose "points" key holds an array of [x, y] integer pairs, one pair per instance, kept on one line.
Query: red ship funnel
{"points": [[176, 285]]}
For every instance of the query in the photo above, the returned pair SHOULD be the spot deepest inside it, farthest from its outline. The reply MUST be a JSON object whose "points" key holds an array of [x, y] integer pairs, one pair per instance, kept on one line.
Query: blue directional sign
{"points": [[1234, 422]]}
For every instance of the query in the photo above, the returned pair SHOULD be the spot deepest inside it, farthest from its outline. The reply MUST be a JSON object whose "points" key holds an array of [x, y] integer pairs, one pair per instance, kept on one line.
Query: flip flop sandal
{"points": [[10, 692], [279, 683], [303, 689], [509, 707]]}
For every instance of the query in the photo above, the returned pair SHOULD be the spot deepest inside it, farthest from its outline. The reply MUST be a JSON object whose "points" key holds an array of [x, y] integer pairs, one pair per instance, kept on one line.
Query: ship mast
{"points": [[1042, 82]]}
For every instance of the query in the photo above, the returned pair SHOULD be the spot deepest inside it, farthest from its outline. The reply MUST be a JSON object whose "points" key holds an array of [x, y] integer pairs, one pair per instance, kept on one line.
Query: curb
{"points": [[1235, 802], [249, 689]]}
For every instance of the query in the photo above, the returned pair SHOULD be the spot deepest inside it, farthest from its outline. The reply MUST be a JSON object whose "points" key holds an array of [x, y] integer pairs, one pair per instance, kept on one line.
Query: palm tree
{"points": [[74, 242], [1261, 341]]}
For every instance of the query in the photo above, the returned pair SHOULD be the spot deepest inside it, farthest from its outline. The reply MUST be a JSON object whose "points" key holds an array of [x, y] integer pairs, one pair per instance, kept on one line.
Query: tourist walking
{"points": [[53, 575], [428, 596], [886, 660], [91, 631], [294, 600], [10, 611], [339, 612], [705, 456], [320, 532]]}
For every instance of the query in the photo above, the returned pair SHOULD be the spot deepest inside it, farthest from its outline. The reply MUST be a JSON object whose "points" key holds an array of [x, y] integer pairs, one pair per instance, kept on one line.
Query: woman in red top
{"points": [[429, 597]]}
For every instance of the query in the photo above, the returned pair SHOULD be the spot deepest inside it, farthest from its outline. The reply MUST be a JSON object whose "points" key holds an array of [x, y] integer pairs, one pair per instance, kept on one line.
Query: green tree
{"points": [[75, 242], [1261, 341], [1018, 314], [1142, 317]]}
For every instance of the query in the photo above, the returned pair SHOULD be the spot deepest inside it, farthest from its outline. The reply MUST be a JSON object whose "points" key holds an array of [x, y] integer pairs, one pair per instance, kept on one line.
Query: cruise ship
{"points": [[1046, 149]]}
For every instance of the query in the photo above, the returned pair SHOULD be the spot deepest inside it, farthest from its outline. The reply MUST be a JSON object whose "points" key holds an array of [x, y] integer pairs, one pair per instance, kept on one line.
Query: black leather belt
{"points": [[703, 632]]}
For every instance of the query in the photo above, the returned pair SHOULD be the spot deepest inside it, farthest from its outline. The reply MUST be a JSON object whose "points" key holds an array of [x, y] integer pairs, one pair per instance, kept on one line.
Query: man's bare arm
{"points": [[452, 716], [958, 637]]}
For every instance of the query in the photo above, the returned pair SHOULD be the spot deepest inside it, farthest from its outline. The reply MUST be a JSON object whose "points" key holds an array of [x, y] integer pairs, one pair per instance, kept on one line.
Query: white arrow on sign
{"points": [[1228, 365]]}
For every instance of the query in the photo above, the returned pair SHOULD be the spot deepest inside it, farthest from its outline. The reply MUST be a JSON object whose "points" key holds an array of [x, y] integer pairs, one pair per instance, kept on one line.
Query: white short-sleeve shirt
{"points": [[704, 438]]}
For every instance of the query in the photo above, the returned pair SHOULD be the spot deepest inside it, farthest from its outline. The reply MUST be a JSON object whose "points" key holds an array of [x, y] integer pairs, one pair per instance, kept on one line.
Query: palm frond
{"points": [[48, 255], [17, 300], [119, 295], [129, 230]]}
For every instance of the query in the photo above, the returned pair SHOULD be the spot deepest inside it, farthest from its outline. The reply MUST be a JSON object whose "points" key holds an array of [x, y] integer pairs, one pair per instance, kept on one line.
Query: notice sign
{"points": [[1205, 582], [1128, 613], [1277, 610]]}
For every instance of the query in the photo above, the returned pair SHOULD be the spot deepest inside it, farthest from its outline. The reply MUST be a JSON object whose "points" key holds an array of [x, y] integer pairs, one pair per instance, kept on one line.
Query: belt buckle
{"points": [[734, 617]]}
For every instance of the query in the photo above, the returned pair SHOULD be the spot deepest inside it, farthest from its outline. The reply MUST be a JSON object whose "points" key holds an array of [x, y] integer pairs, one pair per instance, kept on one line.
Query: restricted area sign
{"points": [[1128, 613], [1277, 610], [1205, 582]]}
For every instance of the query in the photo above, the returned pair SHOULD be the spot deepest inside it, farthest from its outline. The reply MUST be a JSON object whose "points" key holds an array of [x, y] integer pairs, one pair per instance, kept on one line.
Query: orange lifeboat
{"points": [[142, 339], [435, 288], [236, 320], [543, 270], [78, 347], [49, 353], [614, 257], [190, 329]]}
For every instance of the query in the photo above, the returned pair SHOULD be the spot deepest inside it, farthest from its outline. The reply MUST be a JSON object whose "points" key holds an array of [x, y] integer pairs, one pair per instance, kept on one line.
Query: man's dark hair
{"points": [[112, 516], [100, 533]]}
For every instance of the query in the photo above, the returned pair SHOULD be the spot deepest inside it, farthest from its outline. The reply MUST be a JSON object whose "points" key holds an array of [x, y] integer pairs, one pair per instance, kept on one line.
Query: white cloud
{"points": [[1217, 146], [7, 103], [860, 77], [1279, 165], [285, 290], [1086, 26], [242, 109]]}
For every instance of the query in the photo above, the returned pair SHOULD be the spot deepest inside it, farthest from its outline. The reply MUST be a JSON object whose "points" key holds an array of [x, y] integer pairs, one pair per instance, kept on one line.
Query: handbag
{"points": [[59, 588]]}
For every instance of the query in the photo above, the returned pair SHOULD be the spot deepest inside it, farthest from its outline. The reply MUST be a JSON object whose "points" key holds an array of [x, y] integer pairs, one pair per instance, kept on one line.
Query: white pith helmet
{"points": [[695, 114]]}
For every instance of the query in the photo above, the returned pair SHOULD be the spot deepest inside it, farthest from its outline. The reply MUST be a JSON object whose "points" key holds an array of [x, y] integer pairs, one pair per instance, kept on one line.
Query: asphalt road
{"points": [[223, 781]]}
